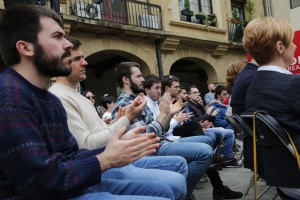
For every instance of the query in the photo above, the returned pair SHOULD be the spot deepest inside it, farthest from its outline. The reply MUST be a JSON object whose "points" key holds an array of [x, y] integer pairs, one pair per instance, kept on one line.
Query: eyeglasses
{"points": [[195, 92], [90, 97]]}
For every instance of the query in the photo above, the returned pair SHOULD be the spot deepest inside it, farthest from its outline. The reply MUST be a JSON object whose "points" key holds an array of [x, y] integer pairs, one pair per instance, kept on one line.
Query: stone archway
{"points": [[193, 71], [117, 46], [103, 55], [200, 58]]}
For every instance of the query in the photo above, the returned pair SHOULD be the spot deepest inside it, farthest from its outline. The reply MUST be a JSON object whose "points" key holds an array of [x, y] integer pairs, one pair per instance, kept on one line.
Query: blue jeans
{"points": [[111, 189], [155, 168], [197, 154], [227, 136]]}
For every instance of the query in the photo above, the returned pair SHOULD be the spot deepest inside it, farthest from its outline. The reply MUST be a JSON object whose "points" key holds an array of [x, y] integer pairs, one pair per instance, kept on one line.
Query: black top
{"points": [[240, 87]]}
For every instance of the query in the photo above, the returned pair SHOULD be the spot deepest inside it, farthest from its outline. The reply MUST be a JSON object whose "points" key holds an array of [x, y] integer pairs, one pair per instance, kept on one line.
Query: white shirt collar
{"points": [[275, 69], [149, 100]]}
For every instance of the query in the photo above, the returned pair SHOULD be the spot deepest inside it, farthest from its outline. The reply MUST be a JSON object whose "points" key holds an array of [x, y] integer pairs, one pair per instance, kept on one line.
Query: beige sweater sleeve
{"points": [[83, 121]]}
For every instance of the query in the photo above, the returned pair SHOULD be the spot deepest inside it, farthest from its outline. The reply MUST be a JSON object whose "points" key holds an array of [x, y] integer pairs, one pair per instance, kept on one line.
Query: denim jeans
{"points": [[197, 154], [155, 168], [227, 136], [114, 189]]}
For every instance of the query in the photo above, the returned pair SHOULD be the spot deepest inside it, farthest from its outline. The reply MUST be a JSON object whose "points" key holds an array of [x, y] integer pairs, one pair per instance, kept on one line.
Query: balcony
{"points": [[235, 30], [127, 12]]}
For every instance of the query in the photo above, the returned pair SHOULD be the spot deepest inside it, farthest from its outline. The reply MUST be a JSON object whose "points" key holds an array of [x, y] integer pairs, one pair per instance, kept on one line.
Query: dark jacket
{"points": [[240, 87], [278, 94], [198, 112]]}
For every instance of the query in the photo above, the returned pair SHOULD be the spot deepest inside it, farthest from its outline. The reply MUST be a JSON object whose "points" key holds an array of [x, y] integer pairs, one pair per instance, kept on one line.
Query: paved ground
{"points": [[237, 179]]}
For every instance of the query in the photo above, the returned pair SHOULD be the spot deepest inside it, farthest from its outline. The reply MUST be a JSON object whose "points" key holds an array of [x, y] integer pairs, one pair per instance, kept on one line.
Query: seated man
{"points": [[40, 158], [152, 87], [209, 97], [91, 133], [198, 155], [219, 134], [220, 95]]}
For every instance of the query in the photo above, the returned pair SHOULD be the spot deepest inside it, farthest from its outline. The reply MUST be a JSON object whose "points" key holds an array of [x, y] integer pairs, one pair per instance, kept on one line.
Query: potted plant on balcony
{"points": [[201, 17], [213, 20], [187, 12], [249, 9], [235, 16]]}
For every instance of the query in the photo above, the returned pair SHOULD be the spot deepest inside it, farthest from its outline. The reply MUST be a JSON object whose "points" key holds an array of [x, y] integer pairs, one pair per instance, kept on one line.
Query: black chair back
{"points": [[247, 122], [238, 131], [273, 146]]}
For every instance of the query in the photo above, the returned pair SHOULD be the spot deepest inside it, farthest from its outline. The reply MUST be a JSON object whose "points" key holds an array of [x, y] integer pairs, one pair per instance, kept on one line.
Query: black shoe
{"points": [[222, 161], [226, 193], [236, 164], [235, 148], [192, 197]]}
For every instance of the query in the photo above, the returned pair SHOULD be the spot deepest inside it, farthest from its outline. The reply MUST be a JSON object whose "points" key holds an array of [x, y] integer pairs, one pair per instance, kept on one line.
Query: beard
{"points": [[135, 88], [51, 65]]}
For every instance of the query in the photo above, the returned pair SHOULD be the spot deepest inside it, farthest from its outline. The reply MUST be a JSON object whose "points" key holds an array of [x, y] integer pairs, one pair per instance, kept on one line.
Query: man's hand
{"points": [[135, 133], [182, 116], [164, 105], [119, 114], [205, 124], [107, 120], [175, 107], [213, 114], [120, 152], [135, 108]]}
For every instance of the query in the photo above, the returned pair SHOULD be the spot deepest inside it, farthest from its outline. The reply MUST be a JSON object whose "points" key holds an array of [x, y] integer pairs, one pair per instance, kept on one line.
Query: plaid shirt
{"points": [[146, 117]]}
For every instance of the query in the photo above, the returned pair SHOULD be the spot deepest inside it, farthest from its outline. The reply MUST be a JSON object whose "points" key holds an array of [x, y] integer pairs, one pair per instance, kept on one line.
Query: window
{"points": [[295, 3], [205, 6], [198, 6], [237, 7]]}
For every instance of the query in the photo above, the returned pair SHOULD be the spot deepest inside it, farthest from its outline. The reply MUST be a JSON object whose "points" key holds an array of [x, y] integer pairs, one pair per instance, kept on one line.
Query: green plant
{"points": [[213, 20], [187, 4], [249, 8], [203, 18], [235, 13]]}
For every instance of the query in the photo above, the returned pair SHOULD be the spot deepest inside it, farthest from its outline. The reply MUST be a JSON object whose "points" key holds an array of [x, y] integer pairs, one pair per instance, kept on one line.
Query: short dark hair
{"points": [[107, 98], [150, 80], [21, 22], [219, 90], [168, 81], [190, 88], [124, 69], [76, 43]]}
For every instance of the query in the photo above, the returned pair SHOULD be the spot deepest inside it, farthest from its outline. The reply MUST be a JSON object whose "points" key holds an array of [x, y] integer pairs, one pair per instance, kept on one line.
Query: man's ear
{"points": [[125, 80], [25, 48], [147, 91], [167, 88]]}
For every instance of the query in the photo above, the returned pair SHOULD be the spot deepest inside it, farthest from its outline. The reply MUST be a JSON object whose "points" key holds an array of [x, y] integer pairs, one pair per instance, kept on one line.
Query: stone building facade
{"points": [[159, 36]]}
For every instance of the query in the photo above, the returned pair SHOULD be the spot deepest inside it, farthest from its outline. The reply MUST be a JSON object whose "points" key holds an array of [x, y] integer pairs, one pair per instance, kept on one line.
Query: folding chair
{"points": [[271, 136], [236, 127], [248, 152]]}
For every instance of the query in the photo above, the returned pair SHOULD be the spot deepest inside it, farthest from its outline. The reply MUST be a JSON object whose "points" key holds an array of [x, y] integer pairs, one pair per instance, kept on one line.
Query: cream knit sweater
{"points": [[83, 121]]}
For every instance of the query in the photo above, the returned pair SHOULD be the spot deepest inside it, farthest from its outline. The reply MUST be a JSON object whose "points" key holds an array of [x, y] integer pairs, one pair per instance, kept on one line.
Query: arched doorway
{"points": [[193, 71], [100, 71]]}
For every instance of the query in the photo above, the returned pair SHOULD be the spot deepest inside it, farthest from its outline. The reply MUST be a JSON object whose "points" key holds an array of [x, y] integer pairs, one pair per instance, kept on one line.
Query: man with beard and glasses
{"points": [[198, 155], [91, 133], [39, 157]]}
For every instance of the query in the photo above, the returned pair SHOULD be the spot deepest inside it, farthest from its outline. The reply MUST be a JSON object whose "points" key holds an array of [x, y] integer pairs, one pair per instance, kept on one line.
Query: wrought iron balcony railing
{"points": [[128, 12], [235, 30]]}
